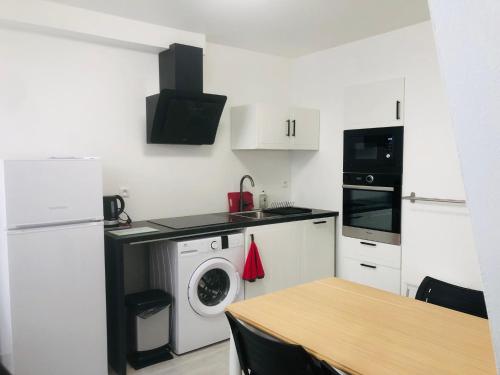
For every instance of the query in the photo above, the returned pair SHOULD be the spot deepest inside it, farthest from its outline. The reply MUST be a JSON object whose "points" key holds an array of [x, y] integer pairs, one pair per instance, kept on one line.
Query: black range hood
{"points": [[181, 113]]}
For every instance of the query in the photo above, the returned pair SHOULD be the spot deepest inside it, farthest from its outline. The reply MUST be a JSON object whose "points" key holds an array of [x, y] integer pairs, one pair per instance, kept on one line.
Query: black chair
{"points": [[454, 297], [261, 355], [329, 370]]}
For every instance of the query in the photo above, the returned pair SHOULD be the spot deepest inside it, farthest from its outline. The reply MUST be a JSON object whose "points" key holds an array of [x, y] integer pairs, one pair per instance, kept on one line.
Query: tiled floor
{"points": [[212, 360]]}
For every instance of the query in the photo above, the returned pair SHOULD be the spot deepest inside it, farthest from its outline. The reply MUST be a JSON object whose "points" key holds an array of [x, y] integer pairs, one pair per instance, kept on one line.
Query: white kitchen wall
{"points": [[66, 97], [436, 239]]}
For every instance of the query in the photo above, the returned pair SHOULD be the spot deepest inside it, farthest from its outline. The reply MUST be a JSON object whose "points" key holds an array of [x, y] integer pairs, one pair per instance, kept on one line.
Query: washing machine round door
{"points": [[213, 286]]}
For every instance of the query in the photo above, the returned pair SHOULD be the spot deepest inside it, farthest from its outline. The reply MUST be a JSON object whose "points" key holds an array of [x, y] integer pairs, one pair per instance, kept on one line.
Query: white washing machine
{"points": [[203, 275]]}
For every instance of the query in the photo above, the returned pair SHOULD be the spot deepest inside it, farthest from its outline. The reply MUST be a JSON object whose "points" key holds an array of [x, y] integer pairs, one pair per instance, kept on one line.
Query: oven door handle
{"points": [[363, 187]]}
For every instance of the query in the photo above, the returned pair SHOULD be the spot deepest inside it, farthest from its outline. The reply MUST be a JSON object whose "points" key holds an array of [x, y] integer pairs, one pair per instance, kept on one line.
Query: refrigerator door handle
{"points": [[55, 224]]}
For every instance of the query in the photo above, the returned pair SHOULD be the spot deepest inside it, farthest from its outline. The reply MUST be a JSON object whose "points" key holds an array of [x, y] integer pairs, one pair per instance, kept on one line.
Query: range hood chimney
{"points": [[181, 113]]}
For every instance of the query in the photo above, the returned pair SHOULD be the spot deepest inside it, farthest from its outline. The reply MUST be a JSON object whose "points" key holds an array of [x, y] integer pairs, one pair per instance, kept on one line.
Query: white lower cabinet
{"points": [[292, 253], [371, 274], [370, 263], [279, 249], [317, 255]]}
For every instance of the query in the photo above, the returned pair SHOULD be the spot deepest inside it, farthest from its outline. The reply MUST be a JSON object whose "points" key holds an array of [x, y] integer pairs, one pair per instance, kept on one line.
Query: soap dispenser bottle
{"points": [[263, 200]]}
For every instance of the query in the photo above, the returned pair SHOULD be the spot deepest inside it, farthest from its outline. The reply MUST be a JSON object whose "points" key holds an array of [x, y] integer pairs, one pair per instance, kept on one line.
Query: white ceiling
{"points": [[282, 27]]}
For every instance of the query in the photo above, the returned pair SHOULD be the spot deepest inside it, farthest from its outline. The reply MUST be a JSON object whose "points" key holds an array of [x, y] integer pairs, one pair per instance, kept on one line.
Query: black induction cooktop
{"points": [[198, 220]]}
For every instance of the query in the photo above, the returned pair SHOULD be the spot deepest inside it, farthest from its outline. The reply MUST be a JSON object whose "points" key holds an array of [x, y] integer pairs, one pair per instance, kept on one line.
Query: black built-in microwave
{"points": [[374, 150]]}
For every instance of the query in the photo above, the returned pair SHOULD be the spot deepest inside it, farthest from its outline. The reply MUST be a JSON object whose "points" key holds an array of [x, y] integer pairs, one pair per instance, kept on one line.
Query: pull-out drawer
{"points": [[376, 252], [371, 274]]}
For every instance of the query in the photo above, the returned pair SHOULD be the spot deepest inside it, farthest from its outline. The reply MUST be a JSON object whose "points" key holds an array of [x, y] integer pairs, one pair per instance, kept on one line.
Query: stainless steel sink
{"points": [[255, 215]]}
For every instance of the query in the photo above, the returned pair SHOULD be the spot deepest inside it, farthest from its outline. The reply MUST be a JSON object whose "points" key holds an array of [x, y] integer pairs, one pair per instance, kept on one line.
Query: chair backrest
{"points": [[260, 355], [454, 297], [329, 370]]}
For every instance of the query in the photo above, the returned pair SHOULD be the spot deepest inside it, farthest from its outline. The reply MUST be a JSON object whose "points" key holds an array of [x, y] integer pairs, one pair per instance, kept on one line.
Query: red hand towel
{"points": [[253, 265]]}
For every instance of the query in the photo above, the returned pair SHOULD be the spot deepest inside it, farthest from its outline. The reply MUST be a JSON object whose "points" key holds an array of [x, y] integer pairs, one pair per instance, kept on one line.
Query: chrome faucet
{"points": [[241, 189]]}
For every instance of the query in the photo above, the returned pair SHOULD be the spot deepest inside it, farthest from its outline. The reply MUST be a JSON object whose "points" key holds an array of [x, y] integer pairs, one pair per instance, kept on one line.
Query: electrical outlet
{"points": [[125, 192], [285, 185]]}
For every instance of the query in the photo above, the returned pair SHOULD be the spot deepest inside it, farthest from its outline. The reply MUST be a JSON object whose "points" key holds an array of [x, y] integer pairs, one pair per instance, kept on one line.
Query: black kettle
{"points": [[112, 210]]}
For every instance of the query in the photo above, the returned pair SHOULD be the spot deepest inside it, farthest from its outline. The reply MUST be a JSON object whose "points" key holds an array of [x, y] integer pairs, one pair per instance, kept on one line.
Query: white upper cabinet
{"points": [[304, 129], [375, 104], [273, 132], [273, 127]]}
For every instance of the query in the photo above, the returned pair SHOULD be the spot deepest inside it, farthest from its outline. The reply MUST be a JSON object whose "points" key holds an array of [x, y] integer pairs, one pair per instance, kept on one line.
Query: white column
{"points": [[467, 36]]}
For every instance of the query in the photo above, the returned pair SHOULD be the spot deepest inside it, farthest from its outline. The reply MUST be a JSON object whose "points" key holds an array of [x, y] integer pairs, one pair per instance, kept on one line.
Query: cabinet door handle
{"points": [[288, 131], [319, 222], [397, 109], [367, 265], [293, 134], [368, 243]]}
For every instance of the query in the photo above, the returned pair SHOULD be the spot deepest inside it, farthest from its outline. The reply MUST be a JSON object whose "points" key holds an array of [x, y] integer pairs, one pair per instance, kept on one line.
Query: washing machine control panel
{"points": [[221, 243]]}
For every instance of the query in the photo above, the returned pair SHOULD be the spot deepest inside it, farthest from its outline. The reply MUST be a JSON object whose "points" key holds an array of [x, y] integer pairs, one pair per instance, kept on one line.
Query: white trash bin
{"points": [[148, 327]]}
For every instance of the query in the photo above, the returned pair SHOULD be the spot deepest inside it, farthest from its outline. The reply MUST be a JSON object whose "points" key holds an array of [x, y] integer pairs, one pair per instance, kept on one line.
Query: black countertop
{"points": [[231, 222]]}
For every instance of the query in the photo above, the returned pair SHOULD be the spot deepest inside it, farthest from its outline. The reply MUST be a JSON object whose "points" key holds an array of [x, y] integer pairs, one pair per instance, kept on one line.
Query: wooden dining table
{"points": [[363, 330]]}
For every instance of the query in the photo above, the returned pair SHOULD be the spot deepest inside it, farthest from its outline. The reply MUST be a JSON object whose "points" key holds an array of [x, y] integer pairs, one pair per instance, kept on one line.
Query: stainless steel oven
{"points": [[372, 207], [374, 150]]}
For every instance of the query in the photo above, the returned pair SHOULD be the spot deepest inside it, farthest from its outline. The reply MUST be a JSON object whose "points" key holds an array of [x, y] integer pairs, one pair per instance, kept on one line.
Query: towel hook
{"points": [[251, 237]]}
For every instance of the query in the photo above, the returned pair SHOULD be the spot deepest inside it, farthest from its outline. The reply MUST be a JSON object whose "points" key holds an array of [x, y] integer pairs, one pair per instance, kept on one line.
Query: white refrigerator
{"points": [[52, 282]]}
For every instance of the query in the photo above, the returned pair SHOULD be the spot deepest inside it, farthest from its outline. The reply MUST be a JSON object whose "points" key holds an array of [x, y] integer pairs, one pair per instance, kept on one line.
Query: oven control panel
{"points": [[376, 179]]}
